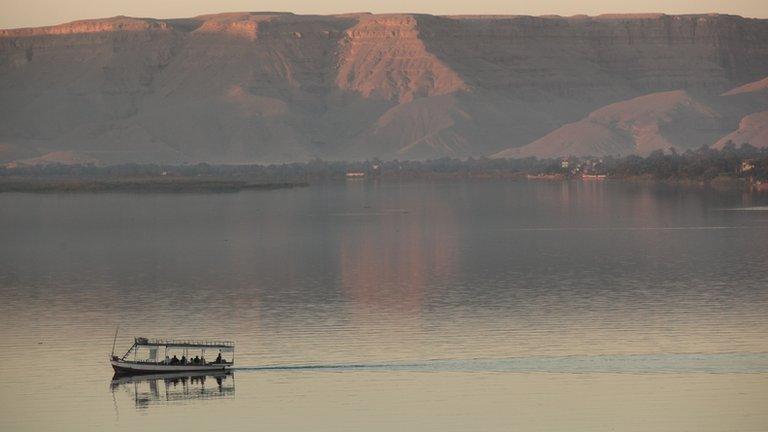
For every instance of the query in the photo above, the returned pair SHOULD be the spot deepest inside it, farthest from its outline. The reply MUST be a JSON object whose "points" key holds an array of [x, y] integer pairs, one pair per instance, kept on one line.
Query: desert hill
{"points": [[760, 86], [753, 129], [276, 87], [658, 121]]}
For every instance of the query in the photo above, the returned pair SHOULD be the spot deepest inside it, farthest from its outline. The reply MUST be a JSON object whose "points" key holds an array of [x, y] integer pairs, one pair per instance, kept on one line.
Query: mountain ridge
{"points": [[179, 21], [280, 87]]}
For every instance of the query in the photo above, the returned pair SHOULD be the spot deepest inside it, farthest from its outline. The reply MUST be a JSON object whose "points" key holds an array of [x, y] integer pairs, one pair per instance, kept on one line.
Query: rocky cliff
{"points": [[275, 87]]}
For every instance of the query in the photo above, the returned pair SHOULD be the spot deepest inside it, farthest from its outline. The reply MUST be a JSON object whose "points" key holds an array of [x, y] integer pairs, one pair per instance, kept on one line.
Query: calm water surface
{"points": [[417, 306]]}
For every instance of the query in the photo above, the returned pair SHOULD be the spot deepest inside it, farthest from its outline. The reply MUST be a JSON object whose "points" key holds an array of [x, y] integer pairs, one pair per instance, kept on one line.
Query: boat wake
{"points": [[640, 228], [663, 363], [755, 208]]}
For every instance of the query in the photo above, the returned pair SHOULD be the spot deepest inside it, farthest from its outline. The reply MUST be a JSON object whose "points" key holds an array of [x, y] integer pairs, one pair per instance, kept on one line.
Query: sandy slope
{"points": [[753, 130], [660, 121], [657, 121]]}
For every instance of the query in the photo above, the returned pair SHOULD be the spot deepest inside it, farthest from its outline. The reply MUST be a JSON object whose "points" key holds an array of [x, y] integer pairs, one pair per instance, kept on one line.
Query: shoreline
{"points": [[212, 185], [131, 185], [239, 181]]}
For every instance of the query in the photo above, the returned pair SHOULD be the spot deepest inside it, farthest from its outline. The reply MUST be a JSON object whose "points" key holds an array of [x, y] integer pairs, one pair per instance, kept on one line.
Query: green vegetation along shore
{"points": [[743, 166]]}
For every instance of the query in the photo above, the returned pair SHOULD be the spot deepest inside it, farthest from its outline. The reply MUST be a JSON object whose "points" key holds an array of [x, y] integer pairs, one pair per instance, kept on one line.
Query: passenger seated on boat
{"points": [[183, 360], [174, 360], [196, 360], [167, 360], [218, 359]]}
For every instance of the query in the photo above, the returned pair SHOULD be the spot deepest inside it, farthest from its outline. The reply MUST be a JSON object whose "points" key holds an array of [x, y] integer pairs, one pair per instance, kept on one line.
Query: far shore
{"points": [[138, 185], [69, 184], [745, 167]]}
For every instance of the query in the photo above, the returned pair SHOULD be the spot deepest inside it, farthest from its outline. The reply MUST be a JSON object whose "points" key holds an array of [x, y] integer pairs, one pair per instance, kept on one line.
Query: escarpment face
{"points": [[593, 57], [384, 56], [277, 87]]}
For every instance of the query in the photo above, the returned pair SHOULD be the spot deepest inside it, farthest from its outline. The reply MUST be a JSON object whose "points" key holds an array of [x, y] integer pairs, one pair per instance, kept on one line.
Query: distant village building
{"points": [[593, 176], [593, 169], [565, 163], [747, 166]]}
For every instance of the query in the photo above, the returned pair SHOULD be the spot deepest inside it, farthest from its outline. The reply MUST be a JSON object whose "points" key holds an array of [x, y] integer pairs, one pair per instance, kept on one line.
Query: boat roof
{"points": [[184, 343]]}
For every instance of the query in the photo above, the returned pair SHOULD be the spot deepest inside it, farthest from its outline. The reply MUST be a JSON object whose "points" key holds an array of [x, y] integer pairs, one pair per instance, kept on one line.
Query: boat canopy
{"points": [[222, 345]]}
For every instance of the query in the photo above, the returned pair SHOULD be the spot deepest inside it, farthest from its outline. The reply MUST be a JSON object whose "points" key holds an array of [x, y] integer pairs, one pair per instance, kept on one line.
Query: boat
{"points": [[142, 357]]}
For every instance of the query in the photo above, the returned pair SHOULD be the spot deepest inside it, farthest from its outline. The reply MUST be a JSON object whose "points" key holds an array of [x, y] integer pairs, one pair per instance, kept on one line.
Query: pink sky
{"points": [[26, 13]]}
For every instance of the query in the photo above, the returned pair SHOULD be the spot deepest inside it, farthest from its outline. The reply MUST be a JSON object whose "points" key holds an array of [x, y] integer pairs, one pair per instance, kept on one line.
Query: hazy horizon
{"points": [[34, 13]]}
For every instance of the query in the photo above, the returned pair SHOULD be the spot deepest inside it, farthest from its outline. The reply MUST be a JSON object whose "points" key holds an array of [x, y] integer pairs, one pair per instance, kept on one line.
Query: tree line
{"points": [[702, 164]]}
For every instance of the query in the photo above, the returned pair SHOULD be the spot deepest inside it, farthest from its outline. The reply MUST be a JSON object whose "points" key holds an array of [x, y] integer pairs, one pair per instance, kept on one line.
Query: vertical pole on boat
{"points": [[114, 341]]}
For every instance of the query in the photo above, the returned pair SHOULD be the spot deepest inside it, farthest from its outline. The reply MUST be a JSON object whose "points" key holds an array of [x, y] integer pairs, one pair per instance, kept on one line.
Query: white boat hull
{"points": [[128, 367]]}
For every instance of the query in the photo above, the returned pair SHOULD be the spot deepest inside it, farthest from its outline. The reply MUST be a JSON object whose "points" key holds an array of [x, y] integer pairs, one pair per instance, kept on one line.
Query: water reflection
{"points": [[161, 389], [390, 258]]}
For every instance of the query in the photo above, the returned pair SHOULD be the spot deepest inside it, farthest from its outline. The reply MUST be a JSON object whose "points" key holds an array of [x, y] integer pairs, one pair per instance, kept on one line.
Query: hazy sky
{"points": [[23, 13]]}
